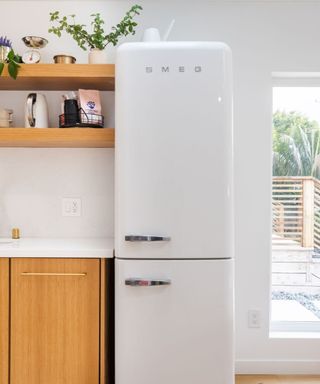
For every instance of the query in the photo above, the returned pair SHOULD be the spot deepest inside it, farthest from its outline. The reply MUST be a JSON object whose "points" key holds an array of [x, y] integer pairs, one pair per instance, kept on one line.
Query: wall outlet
{"points": [[254, 318], [71, 206]]}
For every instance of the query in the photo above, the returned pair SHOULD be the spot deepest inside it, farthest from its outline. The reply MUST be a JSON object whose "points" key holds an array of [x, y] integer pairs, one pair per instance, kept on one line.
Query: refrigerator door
{"points": [[177, 332], [173, 151]]}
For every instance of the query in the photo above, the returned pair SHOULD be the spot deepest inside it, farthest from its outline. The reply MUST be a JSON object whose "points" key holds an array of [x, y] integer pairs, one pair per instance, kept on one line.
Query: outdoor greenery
{"points": [[96, 38], [296, 145]]}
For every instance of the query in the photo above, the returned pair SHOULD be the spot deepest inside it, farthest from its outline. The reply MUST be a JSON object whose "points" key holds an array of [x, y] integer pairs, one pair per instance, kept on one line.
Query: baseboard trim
{"points": [[285, 367]]}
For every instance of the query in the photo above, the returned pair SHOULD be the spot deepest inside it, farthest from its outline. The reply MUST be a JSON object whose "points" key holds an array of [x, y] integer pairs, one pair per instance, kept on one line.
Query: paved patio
{"points": [[317, 304]]}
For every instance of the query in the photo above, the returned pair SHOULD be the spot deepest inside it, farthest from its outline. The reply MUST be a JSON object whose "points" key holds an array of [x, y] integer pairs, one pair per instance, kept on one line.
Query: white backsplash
{"points": [[33, 182]]}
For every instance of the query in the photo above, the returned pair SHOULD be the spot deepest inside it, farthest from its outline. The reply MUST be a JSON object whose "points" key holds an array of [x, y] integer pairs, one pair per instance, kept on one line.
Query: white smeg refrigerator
{"points": [[174, 214]]}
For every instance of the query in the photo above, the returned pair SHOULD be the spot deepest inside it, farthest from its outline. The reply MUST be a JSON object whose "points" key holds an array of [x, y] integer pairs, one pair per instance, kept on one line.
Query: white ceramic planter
{"points": [[97, 56]]}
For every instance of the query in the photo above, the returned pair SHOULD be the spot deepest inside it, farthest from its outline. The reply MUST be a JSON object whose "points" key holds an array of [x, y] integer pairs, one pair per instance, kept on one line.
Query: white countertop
{"points": [[63, 247]]}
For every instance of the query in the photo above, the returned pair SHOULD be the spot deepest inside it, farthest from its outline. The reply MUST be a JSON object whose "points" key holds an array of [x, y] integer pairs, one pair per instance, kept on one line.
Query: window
{"points": [[295, 293]]}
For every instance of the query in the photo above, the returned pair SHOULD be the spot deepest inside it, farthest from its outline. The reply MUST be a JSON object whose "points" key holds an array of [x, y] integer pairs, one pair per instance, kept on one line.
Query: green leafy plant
{"points": [[97, 38], [12, 61], [296, 145]]}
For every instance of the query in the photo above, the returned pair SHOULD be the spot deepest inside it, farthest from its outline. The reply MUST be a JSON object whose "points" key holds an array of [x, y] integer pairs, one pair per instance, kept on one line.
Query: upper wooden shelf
{"points": [[57, 77]]}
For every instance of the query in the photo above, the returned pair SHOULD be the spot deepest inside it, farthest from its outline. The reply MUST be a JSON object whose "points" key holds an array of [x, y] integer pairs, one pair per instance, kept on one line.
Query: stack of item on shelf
{"points": [[5, 117], [81, 111]]}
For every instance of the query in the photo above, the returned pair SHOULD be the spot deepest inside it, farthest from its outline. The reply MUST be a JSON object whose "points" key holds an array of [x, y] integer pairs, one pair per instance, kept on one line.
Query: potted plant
{"points": [[97, 39], [8, 56]]}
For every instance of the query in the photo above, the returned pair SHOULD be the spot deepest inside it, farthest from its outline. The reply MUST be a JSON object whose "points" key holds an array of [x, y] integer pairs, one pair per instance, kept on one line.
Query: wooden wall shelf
{"points": [[56, 77], [57, 137]]}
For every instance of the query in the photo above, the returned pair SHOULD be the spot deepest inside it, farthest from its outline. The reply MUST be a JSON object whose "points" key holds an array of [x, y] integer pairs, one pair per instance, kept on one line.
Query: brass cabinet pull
{"points": [[52, 274]]}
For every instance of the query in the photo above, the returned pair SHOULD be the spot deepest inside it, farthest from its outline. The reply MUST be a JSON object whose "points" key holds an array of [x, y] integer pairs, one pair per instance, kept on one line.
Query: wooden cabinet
{"points": [[4, 321], [53, 321]]}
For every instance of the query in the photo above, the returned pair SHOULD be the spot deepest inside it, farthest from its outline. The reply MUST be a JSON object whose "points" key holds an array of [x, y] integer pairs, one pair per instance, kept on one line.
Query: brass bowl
{"points": [[35, 41], [64, 59]]}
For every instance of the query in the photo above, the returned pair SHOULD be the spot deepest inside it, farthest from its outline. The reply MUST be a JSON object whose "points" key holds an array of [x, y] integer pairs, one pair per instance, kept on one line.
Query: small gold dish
{"points": [[64, 59], [15, 233]]}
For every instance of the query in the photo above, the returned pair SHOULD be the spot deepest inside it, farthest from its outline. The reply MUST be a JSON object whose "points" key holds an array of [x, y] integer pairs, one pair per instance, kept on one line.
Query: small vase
{"points": [[4, 53], [97, 56]]}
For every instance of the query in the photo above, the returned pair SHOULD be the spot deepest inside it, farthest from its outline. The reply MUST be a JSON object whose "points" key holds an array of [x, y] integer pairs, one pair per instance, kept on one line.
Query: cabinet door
{"points": [[55, 321], [4, 320]]}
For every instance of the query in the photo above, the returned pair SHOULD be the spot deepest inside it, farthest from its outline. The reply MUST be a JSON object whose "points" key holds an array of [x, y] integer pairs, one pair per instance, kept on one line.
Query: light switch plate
{"points": [[71, 206]]}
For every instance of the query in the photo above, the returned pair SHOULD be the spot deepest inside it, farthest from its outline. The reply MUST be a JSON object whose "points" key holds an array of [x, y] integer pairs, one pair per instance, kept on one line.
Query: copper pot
{"points": [[64, 59]]}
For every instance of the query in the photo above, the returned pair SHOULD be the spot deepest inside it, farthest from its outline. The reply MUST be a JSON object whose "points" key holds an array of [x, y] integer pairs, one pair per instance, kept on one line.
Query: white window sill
{"points": [[294, 335]]}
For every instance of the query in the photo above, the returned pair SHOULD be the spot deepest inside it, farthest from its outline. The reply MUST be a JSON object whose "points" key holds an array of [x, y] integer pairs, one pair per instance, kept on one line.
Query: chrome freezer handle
{"points": [[136, 282], [146, 238]]}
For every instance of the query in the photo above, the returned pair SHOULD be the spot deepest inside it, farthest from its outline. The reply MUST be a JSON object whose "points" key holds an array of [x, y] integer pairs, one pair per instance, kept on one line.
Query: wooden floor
{"points": [[277, 379]]}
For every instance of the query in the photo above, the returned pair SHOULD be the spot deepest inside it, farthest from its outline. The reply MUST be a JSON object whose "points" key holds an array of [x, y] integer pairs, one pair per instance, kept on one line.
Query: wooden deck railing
{"points": [[316, 232], [296, 210]]}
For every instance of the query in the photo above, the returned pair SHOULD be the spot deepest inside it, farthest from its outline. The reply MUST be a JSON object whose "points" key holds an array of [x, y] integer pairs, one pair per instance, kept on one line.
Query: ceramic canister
{"points": [[5, 117]]}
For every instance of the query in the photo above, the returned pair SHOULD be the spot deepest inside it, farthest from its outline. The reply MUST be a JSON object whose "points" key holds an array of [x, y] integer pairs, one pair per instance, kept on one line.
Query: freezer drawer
{"points": [[174, 322]]}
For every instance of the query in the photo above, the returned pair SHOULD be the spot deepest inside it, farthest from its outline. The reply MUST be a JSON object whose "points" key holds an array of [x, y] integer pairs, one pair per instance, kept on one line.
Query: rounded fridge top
{"points": [[174, 46]]}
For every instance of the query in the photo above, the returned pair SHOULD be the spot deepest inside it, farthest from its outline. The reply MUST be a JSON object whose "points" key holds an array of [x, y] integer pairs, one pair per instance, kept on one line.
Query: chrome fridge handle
{"points": [[137, 282], [137, 238]]}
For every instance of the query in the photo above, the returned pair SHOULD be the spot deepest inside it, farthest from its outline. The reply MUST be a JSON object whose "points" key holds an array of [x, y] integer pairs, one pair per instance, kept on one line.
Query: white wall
{"points": [[265, 37], [34, 181]]}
